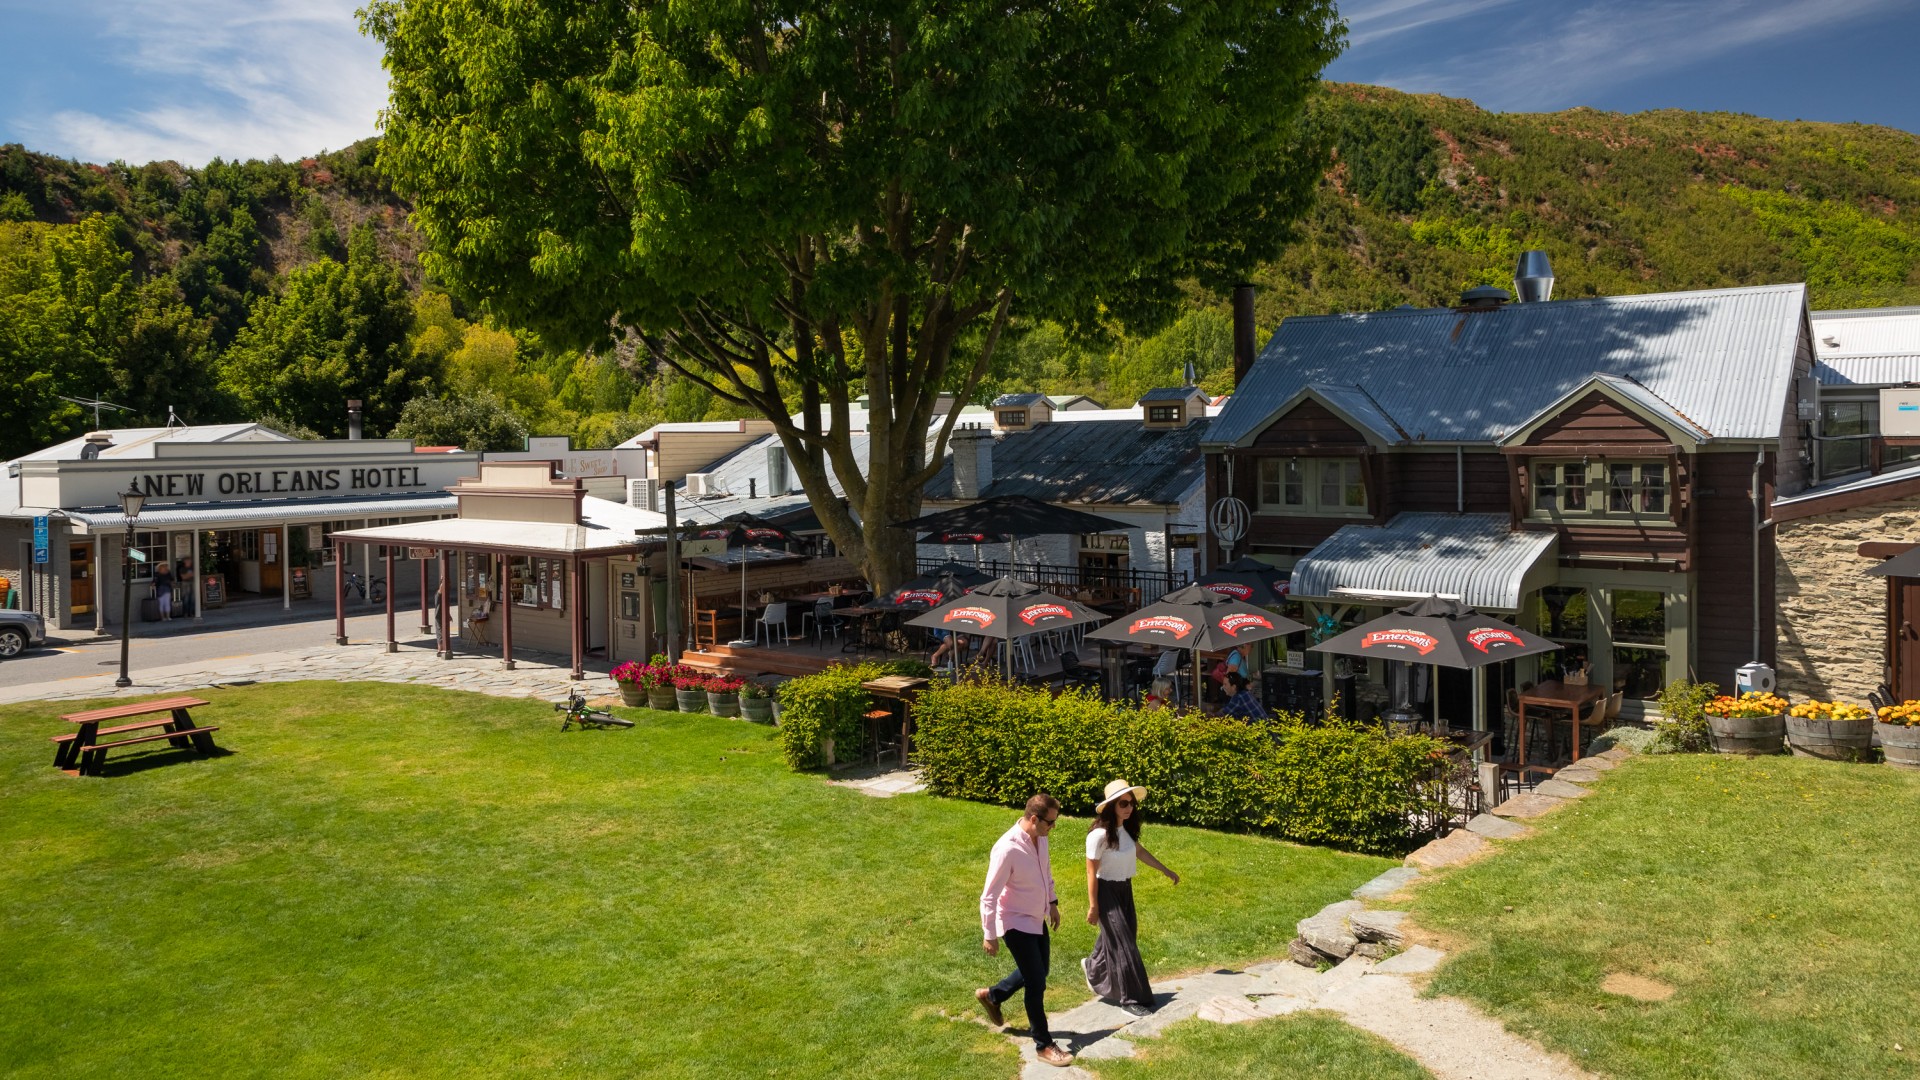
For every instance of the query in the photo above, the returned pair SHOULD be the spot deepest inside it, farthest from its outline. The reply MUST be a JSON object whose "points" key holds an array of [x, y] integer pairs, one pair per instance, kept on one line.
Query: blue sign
{"points": [[41, 552]]}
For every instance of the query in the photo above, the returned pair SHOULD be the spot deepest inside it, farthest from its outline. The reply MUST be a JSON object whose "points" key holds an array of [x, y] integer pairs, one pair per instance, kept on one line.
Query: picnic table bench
{"points": [[81, 752]]}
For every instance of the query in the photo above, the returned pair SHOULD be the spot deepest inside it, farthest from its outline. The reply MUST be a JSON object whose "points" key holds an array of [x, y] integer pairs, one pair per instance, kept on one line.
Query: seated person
{"points": [[1242, 704], [948, 647], [1166, 668]]}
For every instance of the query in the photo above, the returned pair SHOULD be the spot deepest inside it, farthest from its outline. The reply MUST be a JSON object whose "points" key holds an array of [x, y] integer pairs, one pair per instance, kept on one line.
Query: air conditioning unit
{"points": [[644, 493], [1900, 411], [700, 483]]}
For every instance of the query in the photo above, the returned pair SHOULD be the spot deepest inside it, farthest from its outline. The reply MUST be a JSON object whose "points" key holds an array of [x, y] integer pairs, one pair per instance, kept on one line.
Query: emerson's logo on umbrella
{"points": [[1233, 624], [1166, 624], [970, 614], [928, 597], [1406, 639], [1233, 589], [1485, 639], [1037, 612]]}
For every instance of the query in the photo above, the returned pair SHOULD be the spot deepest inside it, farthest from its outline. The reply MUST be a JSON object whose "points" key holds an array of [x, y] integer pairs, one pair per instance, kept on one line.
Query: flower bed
{"points": [[1753, 723]]}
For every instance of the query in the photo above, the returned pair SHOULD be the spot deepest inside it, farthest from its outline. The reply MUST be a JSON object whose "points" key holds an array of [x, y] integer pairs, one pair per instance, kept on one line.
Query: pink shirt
{"points": [[1019, 885]]}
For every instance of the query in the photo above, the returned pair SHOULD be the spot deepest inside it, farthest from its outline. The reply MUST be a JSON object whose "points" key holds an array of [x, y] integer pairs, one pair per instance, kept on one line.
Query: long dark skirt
{"points": [[1115, 969]]}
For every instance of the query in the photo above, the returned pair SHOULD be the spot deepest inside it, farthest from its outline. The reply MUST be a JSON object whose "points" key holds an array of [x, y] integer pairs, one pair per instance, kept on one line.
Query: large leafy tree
{"points": [[815, 200], [66, 299], [336, 331]]}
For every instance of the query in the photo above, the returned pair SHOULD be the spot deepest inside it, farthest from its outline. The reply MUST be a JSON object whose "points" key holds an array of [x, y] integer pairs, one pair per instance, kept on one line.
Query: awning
{"points": [[1473, 558], [605, 528], [264, 511]]}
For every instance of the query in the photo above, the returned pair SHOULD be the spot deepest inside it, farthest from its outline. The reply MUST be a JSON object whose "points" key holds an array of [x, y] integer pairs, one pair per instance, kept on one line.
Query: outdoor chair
{"points": [[772, 621], [821, 621]]}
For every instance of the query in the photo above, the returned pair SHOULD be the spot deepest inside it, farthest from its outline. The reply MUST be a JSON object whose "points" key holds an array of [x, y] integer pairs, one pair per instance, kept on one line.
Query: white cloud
{"points": [[1369, 21], [223, 78], [1561, 61]]}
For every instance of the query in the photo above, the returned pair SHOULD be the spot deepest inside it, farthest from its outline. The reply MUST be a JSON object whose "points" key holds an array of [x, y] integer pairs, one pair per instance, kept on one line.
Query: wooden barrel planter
{"points": [[723, 704], [1833, 740], [1748, 734], [1901, 745], [690, 700], [631, 694], [661, 697], [757, 709]]}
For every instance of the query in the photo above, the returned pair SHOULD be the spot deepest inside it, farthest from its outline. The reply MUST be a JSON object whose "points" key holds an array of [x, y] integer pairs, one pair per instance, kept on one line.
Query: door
{"points": [[1903, 636], [268, 545], [80, 578], [596, 575]]}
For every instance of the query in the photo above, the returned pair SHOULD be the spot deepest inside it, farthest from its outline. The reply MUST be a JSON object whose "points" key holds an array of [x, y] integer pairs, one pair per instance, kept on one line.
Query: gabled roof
{"points": [[140, 442], [1357, 407], [1090, 461], [1020, 400], [1867, 347], [1724, 358], [1627, 392]]}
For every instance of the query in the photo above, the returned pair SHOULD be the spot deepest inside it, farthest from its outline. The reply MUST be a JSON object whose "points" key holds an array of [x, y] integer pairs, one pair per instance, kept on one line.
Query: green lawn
{"points": [[399, 881], [1303, 1045], [1776, 896]]}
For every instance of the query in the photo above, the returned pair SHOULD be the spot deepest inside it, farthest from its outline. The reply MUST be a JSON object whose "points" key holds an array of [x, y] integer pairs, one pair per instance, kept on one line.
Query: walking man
{"points": [[1017, 907]]}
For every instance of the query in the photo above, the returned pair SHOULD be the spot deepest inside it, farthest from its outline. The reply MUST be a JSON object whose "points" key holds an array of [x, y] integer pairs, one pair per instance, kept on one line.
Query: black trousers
{"points": [[1032, 957]]}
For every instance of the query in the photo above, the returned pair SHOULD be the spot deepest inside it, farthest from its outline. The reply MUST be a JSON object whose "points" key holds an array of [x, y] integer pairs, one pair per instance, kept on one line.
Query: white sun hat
{"points": [[1117, 788]]}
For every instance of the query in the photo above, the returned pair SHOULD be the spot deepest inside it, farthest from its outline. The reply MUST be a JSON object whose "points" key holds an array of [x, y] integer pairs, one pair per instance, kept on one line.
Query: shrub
{"points": [[1338, 783], [1684, 704], [831, 705]]}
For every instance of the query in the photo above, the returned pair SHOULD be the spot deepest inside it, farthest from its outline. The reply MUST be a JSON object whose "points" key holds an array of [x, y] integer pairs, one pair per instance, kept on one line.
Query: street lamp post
{"points": [[130, 501]]}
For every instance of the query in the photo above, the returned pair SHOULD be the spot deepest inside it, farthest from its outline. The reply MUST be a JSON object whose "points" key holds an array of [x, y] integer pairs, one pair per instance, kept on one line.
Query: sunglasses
{"points": [[1124, 802], [1049, 820]]}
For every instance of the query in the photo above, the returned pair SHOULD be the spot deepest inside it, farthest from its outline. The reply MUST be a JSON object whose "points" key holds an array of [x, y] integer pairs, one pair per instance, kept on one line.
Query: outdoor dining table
{"points": [[1559, 695], [866, 619]]}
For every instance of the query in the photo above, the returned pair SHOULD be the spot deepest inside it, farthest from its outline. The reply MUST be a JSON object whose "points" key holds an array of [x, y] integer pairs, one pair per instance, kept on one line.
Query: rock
{"points": [[1382, 927], [1529, 805], [1280, 1006], [1286, 980], [1387, 884], [1228, 1010], [1305, 954], [1417, 960], [1327, 931], [1452, 849], [1560, 789], [1497, 828], [1373, 950], [1107, 1049], [1596, 762], [1618, 753]]}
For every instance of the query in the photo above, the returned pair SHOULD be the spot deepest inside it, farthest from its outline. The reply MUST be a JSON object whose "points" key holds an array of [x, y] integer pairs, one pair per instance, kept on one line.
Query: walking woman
{"points": [[1115, 970]]}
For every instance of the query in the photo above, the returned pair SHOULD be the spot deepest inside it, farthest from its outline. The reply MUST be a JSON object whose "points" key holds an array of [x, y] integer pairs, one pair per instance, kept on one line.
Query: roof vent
{"points": [[1533, 278], [1483, 297]]}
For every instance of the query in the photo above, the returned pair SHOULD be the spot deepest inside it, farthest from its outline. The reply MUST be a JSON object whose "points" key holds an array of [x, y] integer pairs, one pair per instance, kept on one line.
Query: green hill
{"points": [[220, 277]]}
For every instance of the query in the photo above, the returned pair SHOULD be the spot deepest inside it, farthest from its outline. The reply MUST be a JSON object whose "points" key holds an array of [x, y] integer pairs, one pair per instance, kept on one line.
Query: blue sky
{"points": [[193, 79]]}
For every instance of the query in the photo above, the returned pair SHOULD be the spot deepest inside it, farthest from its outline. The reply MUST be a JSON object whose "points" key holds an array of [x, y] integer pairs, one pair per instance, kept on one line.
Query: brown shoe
{"points": [[985, 997], [1055, 1056]]}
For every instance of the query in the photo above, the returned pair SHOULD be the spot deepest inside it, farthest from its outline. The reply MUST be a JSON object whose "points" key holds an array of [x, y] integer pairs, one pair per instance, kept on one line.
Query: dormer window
{"points": [[1008, 418], [1163, 414]]}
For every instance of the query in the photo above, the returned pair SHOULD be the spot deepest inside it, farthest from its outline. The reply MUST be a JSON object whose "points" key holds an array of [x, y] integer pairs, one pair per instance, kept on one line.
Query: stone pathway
{"points": [[884, 783], [1375, 979]]}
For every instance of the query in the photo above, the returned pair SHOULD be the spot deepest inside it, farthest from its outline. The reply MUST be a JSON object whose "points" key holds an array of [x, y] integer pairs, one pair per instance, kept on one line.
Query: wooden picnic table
{"points": [[889, 691], [1559, 695], [81, 753]]}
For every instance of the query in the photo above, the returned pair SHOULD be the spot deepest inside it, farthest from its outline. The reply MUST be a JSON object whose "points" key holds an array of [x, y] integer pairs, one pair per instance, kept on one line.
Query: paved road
{"points": [[74, 661]]}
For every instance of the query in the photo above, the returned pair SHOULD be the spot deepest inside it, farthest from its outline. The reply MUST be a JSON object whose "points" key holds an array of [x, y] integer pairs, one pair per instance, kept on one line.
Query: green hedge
{"points": [[832, 705], [1340, 784]]}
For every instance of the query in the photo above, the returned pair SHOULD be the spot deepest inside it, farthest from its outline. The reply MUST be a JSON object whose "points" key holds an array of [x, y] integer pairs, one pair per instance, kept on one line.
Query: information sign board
{"points": [[42, 550]]}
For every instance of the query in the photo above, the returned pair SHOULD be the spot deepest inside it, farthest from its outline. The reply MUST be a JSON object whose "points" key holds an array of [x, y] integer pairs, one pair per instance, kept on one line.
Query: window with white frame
{"points": [[1326, 486], [152, 545], [1600, 489]]}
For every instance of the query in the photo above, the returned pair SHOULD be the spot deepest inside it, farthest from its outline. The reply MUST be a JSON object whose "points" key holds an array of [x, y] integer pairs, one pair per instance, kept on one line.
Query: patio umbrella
{"points": [[1008, 609], [1247, 580], [1440, 633], [746, 532], [934, 588], [1200, 619], [1012, 517]]}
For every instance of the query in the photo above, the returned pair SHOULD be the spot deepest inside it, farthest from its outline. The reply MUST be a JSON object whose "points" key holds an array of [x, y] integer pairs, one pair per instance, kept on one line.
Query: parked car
{"points": [[20, 630]]}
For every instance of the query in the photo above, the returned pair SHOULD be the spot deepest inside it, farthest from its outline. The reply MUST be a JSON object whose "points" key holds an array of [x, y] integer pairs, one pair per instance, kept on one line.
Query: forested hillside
{"points": [[276, 290]]}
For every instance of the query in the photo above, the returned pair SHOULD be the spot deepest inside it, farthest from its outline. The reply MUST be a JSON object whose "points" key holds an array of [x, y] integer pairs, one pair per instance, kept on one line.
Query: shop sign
{"points": [[42, 550], [197, 485]]}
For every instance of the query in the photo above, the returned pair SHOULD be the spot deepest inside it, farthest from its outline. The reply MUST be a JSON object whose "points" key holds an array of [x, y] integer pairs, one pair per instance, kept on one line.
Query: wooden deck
{"points": [[796, 659]]}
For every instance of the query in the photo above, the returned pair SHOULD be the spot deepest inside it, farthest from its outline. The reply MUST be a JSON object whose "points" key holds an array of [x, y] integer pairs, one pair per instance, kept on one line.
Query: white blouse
{"points": [[1116, 864]]}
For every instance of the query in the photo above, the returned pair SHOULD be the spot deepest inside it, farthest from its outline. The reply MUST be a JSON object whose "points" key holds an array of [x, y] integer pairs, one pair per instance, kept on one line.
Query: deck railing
{"points": [[1151, 584]]}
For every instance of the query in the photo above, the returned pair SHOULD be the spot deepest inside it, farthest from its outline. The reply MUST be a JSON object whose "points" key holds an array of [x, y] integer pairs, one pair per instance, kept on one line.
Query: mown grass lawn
{"points": [[400, 881], [1776, 896]]}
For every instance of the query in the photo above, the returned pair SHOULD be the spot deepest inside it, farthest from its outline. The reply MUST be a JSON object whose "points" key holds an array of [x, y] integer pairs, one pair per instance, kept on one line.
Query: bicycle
{"points": [[372, 591], [575, 708]]}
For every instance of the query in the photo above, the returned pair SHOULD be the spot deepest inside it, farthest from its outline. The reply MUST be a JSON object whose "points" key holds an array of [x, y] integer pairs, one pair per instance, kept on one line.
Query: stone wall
{"points": [[1832, 613]]}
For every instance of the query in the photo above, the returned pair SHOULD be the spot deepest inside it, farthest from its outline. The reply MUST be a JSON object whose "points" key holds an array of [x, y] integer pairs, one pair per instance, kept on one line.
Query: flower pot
{"points": [[1901, 744], [632, 694], [1748, 734], [691, 700], [1834, 740], [661, 697], [723, 704], [757, 709]]}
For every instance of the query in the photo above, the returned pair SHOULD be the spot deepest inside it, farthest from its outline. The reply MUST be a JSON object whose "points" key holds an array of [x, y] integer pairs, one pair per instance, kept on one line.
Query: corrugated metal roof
{"points": [[1861, 481], [1723, 358], [1626, 390], [605, 526], [1359, 406], [1112, 461], [1867, 346], [1475, 558], [1172, 393], [1891, 369], [269, 510], [140, 442], [1020, 399]]}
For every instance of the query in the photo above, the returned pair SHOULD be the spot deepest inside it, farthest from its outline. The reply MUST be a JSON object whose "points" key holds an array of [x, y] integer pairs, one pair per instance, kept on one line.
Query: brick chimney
{"points": [[1244, 348]]}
